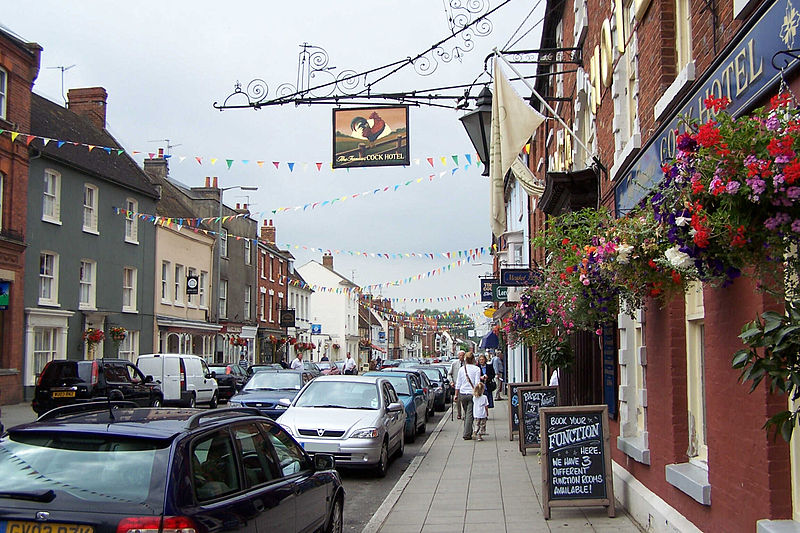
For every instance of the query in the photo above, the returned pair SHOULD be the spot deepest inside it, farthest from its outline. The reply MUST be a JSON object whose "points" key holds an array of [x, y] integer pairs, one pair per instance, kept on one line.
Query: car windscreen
{"points": [[432, 374], [69, 372], [121, 470], [400, 383], [274, 381], [341, 394]]}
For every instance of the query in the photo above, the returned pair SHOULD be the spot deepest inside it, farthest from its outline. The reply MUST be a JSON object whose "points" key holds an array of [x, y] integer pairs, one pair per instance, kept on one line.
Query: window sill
{"points": [[777, 526], [131, 241], [635, 448], [84, 307], [51, 221], [630, 150], [128, 310], [93, 231], [690, 479], [674, 91], [47, 303], [166, 302], [178, 304]]}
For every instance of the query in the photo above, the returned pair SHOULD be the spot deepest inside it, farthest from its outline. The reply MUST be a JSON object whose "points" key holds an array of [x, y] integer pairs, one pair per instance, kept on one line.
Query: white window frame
{"points": [[3, 93], [247, 252], [683, 34], [263, 269], [165, 282], [271, 260], [129, 347], [202, 291], [89, 283], [247, 292], [180, 278], [129, 286], [43, 354], [2, 189], [280, 272], [191, 299], [695, 376], [90, 208], [131, 221], [51, 197], [222, 308], [50, 278], [223, 242], [271, 306], [262, 303]]}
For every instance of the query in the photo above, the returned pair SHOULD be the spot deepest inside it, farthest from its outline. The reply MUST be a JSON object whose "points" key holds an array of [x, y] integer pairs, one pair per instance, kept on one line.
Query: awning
{"points": [[376, 347], [187, 325], [489, 341]]}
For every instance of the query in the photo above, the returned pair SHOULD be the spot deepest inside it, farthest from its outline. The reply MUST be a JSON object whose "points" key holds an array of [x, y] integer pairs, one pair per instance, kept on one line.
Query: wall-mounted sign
{"points": [[316, 329], [192, 284], [286, 318], [518, 277], [486, 288], [370, 137], [500, 293], [5, 293]]}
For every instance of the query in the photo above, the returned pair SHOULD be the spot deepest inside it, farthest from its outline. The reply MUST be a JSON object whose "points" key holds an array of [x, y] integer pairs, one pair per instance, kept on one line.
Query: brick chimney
{"points": [[89, 102], [327, 261], [157, 167], [268, 232]]}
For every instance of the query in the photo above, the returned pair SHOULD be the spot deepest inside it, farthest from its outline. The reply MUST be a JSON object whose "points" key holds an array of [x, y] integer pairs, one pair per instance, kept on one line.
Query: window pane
{"points": [[259, 466], [214, 467]]}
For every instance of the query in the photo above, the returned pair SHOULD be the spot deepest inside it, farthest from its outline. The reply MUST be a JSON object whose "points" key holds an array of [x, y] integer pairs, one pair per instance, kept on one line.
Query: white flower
{"points": [[682, 221], [678, 259], [624, 253]]}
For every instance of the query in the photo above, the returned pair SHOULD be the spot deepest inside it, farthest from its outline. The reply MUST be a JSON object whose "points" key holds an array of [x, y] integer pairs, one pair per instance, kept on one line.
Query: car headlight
{"points": [[365, 433], [234, 403]]}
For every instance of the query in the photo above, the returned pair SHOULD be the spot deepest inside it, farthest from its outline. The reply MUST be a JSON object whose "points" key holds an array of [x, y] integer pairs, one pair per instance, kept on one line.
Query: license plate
{"points": [[62, 394], [322, 447], [18, 526]]}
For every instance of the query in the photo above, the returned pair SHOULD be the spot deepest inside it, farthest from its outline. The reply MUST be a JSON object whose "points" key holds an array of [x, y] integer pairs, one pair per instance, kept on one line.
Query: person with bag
{"points": [[487, 378], [468, 376], [455, 366]]}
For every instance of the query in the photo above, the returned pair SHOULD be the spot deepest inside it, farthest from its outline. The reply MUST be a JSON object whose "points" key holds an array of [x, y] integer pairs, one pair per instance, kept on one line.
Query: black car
{"points": [[188, 470], [440, 385], [65, 382], [230, 379], [267, 387]]}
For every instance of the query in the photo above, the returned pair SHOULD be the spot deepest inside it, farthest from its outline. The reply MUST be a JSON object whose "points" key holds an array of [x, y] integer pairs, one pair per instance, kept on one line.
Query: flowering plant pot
{"points": [[118, 334], [93, 336]]}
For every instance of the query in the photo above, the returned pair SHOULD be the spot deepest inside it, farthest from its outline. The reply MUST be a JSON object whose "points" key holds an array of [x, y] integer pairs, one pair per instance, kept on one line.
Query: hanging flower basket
{"points": [[118, 334], [93, 336], [335, 346]]}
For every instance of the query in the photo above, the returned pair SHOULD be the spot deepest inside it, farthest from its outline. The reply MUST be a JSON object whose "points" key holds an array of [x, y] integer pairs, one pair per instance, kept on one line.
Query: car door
{"points": [[206, 385], [139, 391], [420, 401], [296, 467], [273, 497], [118, 385], [395, 420]]}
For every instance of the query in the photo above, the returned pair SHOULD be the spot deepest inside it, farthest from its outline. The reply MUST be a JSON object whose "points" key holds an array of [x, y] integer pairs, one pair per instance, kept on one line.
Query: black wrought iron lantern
{"points": [[478, 124]]}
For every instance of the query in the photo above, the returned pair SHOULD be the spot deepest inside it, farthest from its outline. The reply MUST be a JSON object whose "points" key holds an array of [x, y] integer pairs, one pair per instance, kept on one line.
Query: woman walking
{"points": [[487, 378], [469, 375]]}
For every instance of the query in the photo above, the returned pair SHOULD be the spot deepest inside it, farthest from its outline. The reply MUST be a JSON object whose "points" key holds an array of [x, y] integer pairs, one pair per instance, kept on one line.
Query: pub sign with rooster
{"points": [[370, 137]]}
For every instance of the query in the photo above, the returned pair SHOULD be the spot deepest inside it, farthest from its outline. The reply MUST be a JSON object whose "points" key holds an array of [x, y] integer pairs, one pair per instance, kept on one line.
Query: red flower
{"points": [[652, 264], [737, 237], [701, 237], [708, 135], [676, 277], [564, 242], [570, 269], [779, 100], [791, 172], [697, 186], [717, 104], [780, 146]]}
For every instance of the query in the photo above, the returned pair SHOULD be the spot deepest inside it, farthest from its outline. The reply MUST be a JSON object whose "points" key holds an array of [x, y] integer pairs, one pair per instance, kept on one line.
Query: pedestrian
{"points": [[555, 377], [480, 410], [349, 365], [499, 372], [324, 357], [243, 361], [468, 376], [487, 378], [297, 364], [455, 366], [283, 362]]}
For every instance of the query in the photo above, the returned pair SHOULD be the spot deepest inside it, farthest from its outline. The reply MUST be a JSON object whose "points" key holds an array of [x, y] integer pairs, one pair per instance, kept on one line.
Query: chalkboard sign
{"points": [[513, 403], [530, 400], [576, 462]]}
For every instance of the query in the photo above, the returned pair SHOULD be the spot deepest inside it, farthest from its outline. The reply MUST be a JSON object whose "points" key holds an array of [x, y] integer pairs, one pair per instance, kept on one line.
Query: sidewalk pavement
{"points": [[14, 414], [458, 485]]}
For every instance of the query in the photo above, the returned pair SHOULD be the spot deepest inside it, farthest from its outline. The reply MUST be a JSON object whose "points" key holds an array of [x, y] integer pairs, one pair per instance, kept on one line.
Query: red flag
{"points": [[430, 160]]}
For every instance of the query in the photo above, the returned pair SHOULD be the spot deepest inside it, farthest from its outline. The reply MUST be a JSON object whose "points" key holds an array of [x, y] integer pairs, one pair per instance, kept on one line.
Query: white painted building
{"points": [[334, 306]]}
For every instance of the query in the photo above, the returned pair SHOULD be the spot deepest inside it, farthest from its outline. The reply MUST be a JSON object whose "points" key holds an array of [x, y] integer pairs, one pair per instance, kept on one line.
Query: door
{"points": [[273, 497], [171, 381], [118, 384], [395, 421], [139, 391], [295, 466], [209, 384], [420, 401]]}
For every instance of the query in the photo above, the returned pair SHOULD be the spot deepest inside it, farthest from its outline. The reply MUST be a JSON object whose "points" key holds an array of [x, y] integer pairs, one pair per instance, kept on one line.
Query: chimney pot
{"points": [[208, 182], [268, 233], [89, 102], [160, 153], [265, 223], [238, 205], [216, 185], [327, 261]]}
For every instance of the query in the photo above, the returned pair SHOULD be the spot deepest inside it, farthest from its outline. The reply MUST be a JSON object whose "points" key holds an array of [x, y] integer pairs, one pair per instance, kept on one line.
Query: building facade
{"points": [[19, 67], [273, 296]]}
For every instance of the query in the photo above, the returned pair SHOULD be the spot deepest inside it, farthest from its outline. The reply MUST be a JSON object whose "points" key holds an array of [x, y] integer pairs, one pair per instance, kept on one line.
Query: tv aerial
{"points": [[63, 69]]}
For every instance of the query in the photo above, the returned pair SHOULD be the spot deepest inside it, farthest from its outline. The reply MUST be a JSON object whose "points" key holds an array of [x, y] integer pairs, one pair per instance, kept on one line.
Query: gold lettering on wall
{"points": [[621, 37], [606, 57]]}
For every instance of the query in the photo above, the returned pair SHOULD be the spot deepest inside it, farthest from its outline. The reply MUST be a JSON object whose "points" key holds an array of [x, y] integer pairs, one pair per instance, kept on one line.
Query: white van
{"points": [[185, 379]]}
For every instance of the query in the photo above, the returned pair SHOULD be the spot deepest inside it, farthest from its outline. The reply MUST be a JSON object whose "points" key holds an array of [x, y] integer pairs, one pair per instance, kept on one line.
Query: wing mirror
{"points": [[148, 379], [324, 461], [419, 392], [284, 402], [395, 407]]}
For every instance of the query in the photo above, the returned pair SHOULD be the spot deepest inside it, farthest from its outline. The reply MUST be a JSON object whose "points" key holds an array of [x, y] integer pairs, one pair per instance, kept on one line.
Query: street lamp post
{"points": [[478, 125], [219, 244]]}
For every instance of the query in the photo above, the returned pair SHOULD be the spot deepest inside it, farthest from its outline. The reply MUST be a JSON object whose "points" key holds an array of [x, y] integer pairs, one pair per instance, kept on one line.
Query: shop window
{"points": [[129, 347], [44, 348]]}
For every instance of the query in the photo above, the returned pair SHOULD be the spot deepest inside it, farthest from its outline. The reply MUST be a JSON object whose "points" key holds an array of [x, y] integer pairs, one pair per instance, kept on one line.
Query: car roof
{"points": [[280, 371], [146, 422], [349, 378]]}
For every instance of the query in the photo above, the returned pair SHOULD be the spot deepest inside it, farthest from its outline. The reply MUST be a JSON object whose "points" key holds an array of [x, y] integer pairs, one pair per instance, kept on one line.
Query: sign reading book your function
{"points": [[576, 463], [530, 400], [513, 402]]}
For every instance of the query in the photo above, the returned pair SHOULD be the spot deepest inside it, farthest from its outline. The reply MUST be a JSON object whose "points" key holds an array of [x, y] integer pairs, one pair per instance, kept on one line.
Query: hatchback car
{"points": [[64, 382], [423, 383], [265, 388], [413, 399], [163, 470], [358, 419], [439, 384]]}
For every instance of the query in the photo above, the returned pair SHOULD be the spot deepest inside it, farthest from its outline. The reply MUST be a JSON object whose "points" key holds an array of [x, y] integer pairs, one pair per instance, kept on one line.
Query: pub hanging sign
{"points": [[370, 137]]}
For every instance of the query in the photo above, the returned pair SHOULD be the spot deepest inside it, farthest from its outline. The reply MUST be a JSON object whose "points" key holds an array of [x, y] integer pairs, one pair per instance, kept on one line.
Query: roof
{"points": [[349, 377], [52, 121], [343, 280]]}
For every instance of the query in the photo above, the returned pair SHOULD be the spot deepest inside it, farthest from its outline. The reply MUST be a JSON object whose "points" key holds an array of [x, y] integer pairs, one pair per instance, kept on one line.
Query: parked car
{"points": [[64, 382], [252, 369], [230, 379], [185, 379], [422, 383], [413, 401], [311, 366], [444, 371], [358, 419], [328, 368], [440, 385], [389, 363], [265, 388], [163, 470]]}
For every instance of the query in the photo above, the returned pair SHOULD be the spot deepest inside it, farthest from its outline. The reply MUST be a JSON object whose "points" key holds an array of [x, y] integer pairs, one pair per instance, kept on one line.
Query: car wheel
{"points": [[214, 401], [156, 402], [336, 523], [383, 463], [422, 428], [412, 435], [192, 403]]}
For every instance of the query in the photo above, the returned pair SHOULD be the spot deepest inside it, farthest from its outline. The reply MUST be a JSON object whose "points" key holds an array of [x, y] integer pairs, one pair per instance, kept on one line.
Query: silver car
{"points": [[357, 419]]}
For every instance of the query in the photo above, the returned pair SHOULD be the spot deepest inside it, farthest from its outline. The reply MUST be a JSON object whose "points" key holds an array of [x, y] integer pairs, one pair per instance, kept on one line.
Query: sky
{"points": [[165, 63]]}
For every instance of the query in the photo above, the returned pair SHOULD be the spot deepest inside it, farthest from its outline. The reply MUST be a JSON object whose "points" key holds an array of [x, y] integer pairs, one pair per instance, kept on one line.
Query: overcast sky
{"points": [[165, 63]]}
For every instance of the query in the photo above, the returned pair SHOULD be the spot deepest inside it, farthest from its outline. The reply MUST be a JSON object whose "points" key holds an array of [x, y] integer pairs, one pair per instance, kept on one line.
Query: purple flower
{"points": [[784, 158], [757, 185], [777, 180], [771, 223], [750, 159], [732, 187], [796, 225], [773, 123], [793, 192]]}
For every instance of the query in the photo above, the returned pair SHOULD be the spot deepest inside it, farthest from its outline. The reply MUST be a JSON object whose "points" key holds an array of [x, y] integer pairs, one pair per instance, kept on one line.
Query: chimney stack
{"points": [[268, 232], [208, 182], [327, 261], [157, 167], [89, 102]]}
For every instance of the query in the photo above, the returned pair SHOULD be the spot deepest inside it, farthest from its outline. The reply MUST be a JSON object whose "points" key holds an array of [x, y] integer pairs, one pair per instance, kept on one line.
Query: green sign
{"points": [[499, 293], [5, 288]]}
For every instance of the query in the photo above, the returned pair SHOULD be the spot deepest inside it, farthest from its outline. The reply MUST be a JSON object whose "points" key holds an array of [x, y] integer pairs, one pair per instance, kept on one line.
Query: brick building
{"points": [[19, 67], [689, 452]]}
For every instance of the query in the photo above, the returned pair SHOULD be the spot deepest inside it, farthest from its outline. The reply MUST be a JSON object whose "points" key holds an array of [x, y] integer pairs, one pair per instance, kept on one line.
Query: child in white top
{"points": [[480, 411]]}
